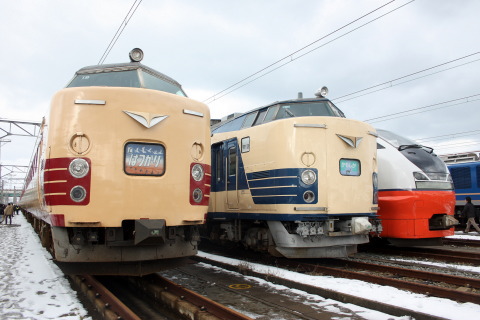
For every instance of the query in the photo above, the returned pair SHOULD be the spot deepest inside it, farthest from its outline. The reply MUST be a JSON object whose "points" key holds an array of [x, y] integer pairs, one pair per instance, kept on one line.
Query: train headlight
{"points": [[78, 193], [420, 176], [197, 195], [78, 168], [197, 172], [308, 177], [136, 55], [308, 196]]}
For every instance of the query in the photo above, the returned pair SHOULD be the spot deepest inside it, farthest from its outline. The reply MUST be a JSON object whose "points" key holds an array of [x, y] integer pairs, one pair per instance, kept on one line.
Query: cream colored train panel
{"points": [[120, 178], [295, 178]]}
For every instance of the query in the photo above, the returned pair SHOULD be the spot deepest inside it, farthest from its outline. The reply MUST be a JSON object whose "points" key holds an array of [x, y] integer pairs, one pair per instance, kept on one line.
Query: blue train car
{"points": [[465, 173]]}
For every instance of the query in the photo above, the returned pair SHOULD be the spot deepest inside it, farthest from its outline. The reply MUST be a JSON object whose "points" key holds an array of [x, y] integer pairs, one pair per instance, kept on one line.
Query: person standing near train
{"points": [[469, 213], [8, 213]]}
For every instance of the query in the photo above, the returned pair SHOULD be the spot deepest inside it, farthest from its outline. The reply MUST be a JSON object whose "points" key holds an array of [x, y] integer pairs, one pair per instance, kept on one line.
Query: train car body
{"points": [[295, 179], [120, 177], [415, 196], [466, 179]]}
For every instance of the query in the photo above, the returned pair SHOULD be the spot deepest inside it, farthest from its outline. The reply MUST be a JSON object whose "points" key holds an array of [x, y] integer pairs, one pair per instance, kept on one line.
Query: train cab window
{"points": [[271, 113], [260, 117], [107, 79], [379, 146], [336, 111], [249, 119], [232, 161], [307, 109], [152, 82]]}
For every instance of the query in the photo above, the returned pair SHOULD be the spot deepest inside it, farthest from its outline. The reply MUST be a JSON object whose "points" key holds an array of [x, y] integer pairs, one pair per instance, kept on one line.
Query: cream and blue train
{"points": [[294, 178]]}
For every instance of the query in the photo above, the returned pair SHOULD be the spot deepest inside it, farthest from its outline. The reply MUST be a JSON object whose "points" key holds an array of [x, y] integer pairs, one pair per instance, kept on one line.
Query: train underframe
{"points": [[420, 231], [139, 247], [332, 238]]}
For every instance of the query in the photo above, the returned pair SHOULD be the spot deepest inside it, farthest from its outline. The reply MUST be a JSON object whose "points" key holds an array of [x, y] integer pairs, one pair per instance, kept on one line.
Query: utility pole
{"points": [[2, 142]]}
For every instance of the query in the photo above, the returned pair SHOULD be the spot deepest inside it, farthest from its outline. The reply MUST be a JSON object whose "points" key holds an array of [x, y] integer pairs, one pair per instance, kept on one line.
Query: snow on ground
{"points": [[32, 286], [421, 303]]}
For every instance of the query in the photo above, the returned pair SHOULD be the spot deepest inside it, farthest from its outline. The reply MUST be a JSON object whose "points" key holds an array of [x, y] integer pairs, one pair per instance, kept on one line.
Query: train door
{"points": [[232, 174]]}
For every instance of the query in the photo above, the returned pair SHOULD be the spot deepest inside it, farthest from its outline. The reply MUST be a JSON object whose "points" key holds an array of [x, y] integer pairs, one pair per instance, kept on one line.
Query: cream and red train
{"points": [[415, 196], [120, 177], [294, 178]]}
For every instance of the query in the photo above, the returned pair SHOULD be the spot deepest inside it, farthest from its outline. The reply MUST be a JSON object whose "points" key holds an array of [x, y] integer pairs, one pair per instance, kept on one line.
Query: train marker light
{"points": [[136, 55], [78, 193], [308, 196], [197, 195]]}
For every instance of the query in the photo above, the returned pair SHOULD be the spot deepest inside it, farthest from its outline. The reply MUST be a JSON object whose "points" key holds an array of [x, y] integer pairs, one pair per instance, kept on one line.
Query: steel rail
{"points": [[203, 304], [462, 242], [105, 302], [418, 274], [422, 288]]}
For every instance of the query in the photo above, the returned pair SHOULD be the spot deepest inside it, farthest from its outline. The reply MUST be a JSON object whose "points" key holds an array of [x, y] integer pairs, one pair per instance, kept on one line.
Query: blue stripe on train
{"points": [[280, 186]]}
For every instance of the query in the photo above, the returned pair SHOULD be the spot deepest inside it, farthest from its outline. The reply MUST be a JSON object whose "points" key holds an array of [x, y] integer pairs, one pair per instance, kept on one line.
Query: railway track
{"points": [[462, 242], [444, 255], [178, 300], [458, 288]]}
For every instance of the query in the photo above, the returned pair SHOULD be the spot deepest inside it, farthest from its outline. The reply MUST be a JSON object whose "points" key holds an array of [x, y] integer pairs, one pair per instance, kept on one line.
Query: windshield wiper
{"points": [[417, 146], [290, 113]]}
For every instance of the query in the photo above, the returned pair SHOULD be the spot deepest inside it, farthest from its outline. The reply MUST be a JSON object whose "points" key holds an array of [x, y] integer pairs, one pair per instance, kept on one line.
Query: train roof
{"points": [[115, 67], [234, 116], [146, 77]]}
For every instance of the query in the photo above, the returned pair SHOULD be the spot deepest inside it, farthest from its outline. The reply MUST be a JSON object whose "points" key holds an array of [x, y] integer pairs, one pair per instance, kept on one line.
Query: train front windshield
{"points": [[321, 109], [433, 168], [131, 79]]}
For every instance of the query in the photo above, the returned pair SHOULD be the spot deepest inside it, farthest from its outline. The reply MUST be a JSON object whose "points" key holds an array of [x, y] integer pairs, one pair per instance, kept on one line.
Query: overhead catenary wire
{"points": [[390, 82], [450, 135], [237, 85], [410, 111], [120, 29]]}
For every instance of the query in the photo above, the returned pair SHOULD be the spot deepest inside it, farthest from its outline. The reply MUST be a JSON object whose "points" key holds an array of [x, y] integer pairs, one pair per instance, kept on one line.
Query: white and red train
{"points": [[416, 197]]}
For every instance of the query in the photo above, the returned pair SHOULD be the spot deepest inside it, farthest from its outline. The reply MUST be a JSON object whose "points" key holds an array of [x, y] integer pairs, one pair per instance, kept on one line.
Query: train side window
{"points": [[249, 120], [233, 125], [379, 146], [152, 82], [232, 161], [245, 144], [260, 117], [271, 113], [219, 164]]}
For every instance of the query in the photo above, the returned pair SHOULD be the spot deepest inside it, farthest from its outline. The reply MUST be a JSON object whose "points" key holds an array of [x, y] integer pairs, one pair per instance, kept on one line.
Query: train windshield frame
{"points": [[127, 77]]}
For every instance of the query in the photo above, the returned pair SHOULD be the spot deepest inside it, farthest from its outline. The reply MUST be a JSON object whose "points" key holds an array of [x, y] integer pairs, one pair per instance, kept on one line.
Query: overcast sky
{"points": [[208, 46]]}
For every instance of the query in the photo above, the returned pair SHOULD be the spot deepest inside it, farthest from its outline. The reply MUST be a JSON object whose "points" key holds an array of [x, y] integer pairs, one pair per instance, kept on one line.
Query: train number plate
{"points": [[145, 159], [349, 167]]}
